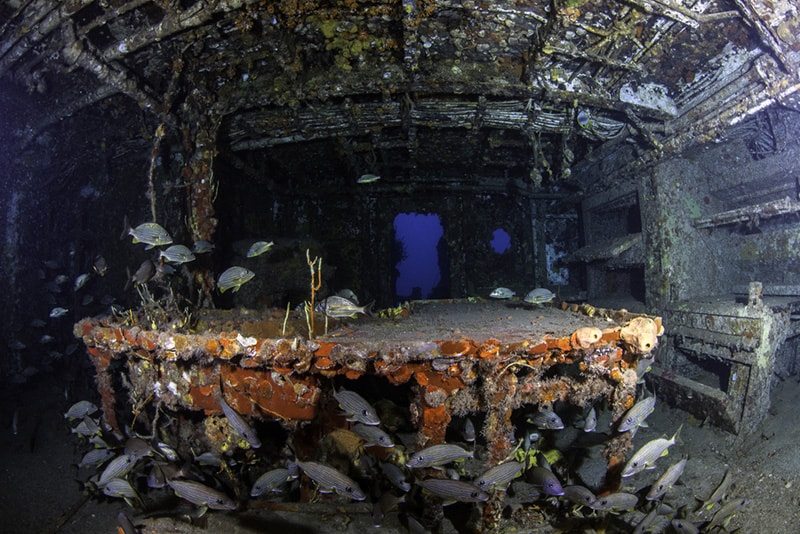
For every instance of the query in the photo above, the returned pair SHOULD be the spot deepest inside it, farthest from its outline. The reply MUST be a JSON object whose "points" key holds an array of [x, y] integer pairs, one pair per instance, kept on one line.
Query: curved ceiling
{"points": [[440, 89]]}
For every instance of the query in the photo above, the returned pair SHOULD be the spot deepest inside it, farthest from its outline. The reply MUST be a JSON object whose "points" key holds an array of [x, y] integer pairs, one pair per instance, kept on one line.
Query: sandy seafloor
{"points": [[39, 492]]}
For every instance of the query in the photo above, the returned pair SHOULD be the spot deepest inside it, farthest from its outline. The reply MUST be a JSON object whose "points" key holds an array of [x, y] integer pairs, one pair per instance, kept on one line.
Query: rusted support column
{"points": [[101, 358], [201, 142], [498, 393]]}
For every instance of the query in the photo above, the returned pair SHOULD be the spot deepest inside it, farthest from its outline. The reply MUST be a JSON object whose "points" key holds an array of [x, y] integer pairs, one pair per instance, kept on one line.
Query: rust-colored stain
{"points": [[212, 347], [457, 348], [437, 379], [434, 423], [324, 350]]}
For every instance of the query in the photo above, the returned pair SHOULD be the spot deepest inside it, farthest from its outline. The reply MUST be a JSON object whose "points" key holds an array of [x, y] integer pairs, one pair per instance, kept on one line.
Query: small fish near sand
{"points": [[338, 307], [539, 296], [651, 451], [666, 481], [501, 293]]}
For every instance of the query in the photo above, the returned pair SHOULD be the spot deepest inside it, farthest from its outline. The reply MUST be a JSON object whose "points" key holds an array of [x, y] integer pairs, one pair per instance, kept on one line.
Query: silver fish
{"points": [[258, 248], [726, 512], [81, 280], [665, 481], [644, 524], [138, 448], [202, 247], [590, 421], [167, 452], [368, 178], [540, 295], [117, 468], [270, 482], [151, 234], [453, 490], [634, 417], [643, 366], [500, 475], [208, 458], [501, 293], [372, 435], [616, 502], [177, 254], [87, 427], [239, 424], [468, 432], [437, 455], [356, 407], [234, 277], [579, 495], [201, 495], [546, 420], [396, 476], [100, 266], [329, 479], [651, 451], [119, 487], [338, 307], [718, 494], [58, 311], [95, 457], [540, 476], [80, 409]]}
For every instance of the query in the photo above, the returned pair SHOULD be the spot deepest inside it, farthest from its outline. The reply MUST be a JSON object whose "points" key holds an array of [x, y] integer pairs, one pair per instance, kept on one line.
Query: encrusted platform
{"points": [[452, 358]]}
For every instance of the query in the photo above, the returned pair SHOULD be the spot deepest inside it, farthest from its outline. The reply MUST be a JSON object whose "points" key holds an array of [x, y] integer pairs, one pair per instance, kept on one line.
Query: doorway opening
{"points": [[419, 254]]}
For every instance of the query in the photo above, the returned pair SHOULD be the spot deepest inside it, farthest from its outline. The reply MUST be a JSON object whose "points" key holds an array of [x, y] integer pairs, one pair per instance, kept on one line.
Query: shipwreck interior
{"points": [[635, 160]]}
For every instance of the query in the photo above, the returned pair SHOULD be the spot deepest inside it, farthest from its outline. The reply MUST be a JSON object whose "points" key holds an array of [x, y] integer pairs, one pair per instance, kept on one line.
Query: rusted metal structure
{"points": [[727, 352], [458, 357]]}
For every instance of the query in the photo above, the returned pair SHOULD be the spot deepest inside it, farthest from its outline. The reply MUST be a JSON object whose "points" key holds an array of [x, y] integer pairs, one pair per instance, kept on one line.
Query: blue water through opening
{"points": [[501, 241], [418, 270]]}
